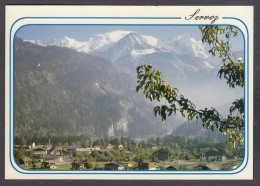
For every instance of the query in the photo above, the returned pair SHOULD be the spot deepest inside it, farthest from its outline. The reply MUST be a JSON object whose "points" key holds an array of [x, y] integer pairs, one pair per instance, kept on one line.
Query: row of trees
{"points": [[181, 147]]}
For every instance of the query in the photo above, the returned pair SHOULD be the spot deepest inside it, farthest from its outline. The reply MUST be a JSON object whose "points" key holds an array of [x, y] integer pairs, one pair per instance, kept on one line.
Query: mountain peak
{"points": [[115, 36], [67, 42], [37, 42], [186, 44], [68, 38]]}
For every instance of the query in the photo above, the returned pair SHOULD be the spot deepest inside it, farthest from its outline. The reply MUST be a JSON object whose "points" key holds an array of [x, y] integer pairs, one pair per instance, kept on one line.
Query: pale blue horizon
{"points": [[47, 33]]}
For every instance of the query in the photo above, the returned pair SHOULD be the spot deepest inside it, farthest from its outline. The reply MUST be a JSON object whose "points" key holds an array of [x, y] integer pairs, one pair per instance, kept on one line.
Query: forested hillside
{"points": [[59, 91]]}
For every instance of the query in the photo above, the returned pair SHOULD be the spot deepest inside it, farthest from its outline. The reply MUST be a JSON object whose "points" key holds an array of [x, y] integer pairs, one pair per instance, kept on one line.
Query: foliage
{"points": [[89, 165], [19, 154], [156, 89]]}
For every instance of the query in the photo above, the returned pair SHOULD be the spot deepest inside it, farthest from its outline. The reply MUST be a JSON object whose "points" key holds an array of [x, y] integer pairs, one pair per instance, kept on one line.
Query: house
{"points": [[39, 151], [55, 159], [26, 161], [207, 167], [71, 149], [78, 165], [58, 151], [55, 152], [211, 167], [146, 165], [212, 155], [114, 166], [95, 148], [48, 164], [86, 151], [173, 167], [161, 155], [109, 147]]}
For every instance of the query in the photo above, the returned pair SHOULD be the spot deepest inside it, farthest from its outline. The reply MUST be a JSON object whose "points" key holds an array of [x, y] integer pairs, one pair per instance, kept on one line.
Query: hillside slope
{"points": [[59, 91]]}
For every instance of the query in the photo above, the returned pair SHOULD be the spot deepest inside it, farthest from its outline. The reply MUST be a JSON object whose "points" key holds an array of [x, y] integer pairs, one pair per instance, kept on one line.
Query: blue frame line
{"points": [[99, 18], [247, 88], [126, 172]]}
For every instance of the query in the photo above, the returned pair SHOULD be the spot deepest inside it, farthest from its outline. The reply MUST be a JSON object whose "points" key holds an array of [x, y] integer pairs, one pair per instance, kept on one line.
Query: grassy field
{"points": [[37, 166], [64, 167]]}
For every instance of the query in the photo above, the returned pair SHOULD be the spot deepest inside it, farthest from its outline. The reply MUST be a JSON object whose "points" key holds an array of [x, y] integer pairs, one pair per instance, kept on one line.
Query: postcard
{"points": [[129, 92]]}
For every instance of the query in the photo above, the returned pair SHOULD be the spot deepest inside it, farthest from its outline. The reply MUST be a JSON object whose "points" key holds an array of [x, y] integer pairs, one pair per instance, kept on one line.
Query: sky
{"points": [[47, 33]]}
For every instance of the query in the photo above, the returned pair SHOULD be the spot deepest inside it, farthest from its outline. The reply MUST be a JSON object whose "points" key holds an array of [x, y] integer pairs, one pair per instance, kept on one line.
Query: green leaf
{"points": [[197, 119]]}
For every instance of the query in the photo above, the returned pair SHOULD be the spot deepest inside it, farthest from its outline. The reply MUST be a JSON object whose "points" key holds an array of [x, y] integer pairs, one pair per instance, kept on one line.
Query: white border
{"points": [[13, 17]]}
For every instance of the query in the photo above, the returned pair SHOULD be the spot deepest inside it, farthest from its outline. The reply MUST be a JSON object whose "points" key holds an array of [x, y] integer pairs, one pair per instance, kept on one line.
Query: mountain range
{"points": [[59, 91], [184, 61], [128, 49], [75, 87]]}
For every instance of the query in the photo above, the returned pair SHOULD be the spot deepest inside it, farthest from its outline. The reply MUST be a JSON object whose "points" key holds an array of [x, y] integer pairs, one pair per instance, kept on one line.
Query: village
{"points": [[112, 157]]}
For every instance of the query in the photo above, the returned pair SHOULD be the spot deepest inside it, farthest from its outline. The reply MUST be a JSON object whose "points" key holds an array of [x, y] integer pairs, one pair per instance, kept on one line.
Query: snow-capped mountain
{"points": [[37, 42], [183, 44], [178, 56], [128, 49], [99, 42], [68, 43], [119, 44], [132, 46]]}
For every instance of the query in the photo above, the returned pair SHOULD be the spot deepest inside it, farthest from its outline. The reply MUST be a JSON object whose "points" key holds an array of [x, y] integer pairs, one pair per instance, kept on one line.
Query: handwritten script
{"points": [[196, 16]]}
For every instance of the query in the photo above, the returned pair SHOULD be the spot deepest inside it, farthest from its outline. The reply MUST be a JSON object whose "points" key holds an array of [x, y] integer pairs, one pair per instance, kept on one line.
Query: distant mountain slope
{"points": [[193, 129], [59, 91]]}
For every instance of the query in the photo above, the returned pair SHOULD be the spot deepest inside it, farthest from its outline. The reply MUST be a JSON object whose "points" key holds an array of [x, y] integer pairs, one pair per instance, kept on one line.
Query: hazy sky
{"points": [[47, 33]]}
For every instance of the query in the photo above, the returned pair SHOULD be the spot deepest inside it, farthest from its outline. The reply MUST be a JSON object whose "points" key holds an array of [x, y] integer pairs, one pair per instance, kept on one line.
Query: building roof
{"points": [[58, 148], [212, 167], [176, 167], [39, 149]]}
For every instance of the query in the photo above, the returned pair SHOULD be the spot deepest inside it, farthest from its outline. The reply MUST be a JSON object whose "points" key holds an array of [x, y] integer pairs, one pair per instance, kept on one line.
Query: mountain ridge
{"points": [[103, 44], [61, 91]]}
